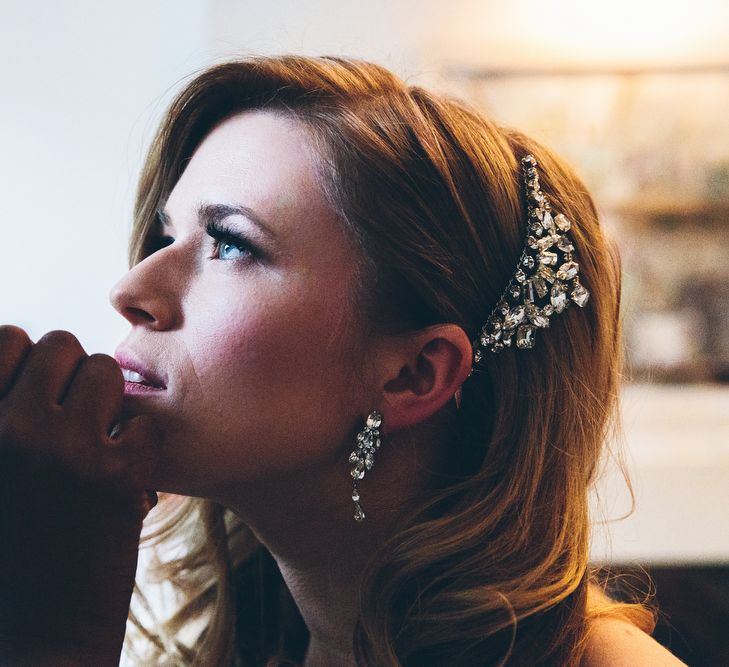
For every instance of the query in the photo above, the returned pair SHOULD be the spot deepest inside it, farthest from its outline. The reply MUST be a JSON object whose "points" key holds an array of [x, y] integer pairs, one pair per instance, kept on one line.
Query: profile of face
{"points": [[246, 335]]}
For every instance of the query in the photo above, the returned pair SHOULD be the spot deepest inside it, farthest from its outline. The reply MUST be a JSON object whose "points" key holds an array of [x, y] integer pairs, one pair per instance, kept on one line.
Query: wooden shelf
{"points": [[479, 73], [667, 208]]}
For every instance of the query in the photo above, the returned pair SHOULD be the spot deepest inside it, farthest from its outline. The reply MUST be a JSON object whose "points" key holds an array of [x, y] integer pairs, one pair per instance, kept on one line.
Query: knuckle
{"points": [[103, 360], [15, 345], [60, 338], [103, 363], [10, 334]]}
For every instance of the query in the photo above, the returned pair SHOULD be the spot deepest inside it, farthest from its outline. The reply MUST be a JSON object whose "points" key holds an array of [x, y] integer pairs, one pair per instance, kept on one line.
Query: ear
{"points": [[420, 373]]}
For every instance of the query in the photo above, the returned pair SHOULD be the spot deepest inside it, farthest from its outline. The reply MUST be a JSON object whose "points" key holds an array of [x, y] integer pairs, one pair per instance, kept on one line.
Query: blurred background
{"points": [[634, 93]]}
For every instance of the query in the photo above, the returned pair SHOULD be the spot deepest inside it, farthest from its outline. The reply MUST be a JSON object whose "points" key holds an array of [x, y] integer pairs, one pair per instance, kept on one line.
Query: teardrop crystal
{"points": [[536, 317], [540, 286], [562, 222], [548, 221], [525, 336], [580, 295], [515, 316], [547, 257], [546, 243], [568, 270], [558, 296], [546, 272], [374, 419], [564, 244]]}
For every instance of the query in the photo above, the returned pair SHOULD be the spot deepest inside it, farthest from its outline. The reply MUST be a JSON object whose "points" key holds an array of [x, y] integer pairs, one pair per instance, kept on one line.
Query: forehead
{"points": [[266, 161], [263, 158]]}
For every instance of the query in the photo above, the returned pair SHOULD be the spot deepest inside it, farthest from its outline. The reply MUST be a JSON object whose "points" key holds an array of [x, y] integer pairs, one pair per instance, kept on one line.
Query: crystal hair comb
{"points": [[545, 281]]}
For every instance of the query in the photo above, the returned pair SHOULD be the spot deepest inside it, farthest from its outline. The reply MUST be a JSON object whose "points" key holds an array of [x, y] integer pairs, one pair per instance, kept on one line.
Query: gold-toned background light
{"points": [[575, 33]]}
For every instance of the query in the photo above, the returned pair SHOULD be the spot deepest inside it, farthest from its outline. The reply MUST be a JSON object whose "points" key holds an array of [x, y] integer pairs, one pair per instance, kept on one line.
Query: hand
{"points": [[72, 500]]}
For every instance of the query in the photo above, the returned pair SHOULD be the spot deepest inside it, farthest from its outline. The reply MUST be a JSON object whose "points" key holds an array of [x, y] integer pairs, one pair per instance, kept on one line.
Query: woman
{"points": [[352, 350]]}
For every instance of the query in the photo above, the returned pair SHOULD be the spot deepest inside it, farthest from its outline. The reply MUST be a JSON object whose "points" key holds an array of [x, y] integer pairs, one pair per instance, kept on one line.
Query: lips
{"points": [[148, 376]]}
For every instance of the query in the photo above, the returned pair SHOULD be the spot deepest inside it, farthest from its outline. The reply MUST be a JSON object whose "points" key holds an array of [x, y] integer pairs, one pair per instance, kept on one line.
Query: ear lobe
{"points": [[432, 365]]}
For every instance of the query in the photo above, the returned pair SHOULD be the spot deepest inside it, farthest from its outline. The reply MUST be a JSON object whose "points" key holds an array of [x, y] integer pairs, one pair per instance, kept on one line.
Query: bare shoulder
{"points": [[617, 643]]}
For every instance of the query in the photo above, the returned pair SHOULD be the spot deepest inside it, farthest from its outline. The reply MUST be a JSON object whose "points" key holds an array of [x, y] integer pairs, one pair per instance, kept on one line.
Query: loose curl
{"points": [[491, 564]]}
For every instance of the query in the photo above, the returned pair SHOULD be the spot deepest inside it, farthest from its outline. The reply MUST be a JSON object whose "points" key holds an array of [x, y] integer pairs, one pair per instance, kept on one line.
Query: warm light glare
{"points": [[621, 31], [584, 33]]}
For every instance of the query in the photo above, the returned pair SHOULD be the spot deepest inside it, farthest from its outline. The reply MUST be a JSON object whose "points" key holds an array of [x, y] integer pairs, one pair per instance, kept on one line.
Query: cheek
{"points": [[276, 360], [265, 387]]}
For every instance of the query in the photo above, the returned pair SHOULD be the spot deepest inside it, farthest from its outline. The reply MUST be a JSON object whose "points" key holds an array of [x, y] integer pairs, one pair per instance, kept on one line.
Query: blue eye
{"points": [[227, 246], [222, 246], [226, 239]]}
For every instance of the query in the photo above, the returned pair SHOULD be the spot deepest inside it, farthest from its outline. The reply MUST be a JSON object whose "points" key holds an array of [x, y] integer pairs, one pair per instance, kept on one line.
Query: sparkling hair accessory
{"points": [[545, 281]]}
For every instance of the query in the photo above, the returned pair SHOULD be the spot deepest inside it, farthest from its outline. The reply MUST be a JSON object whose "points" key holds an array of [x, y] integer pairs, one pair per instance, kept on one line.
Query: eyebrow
{"points": [[207, 213]]}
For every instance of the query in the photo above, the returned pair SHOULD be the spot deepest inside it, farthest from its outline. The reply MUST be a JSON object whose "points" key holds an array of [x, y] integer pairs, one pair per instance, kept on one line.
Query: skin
{"points": [[268, 381], [617, 643], [72, 501]]}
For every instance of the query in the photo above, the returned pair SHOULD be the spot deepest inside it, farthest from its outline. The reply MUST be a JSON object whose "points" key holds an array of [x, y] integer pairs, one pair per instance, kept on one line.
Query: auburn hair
{"points": [[490, 565]]}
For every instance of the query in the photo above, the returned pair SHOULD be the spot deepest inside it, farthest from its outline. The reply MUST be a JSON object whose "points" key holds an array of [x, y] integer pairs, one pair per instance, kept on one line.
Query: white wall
{"points": [[677, 456], [83, 84], [391, 32]]}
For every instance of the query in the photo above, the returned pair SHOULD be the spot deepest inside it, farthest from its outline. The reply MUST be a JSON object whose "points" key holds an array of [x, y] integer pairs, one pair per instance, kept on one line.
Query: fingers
{"points": [[96, 393], [58, 407], [15, 345], [49, 368], [133, 451]]}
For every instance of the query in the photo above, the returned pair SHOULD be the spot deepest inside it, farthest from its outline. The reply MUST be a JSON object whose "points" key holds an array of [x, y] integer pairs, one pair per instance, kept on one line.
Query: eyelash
{"points": [[221, 235]]}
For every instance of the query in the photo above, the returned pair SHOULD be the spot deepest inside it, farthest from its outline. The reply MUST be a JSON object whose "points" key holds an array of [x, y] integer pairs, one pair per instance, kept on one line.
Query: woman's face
{"points": [[254, 341]]}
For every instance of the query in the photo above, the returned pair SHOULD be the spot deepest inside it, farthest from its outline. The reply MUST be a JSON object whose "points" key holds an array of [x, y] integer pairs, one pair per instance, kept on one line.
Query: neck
{"points": [[308, 525]]}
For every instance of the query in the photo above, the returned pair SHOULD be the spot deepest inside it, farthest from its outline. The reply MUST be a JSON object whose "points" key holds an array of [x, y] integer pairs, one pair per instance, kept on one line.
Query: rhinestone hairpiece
{"points": [[545, 281]]}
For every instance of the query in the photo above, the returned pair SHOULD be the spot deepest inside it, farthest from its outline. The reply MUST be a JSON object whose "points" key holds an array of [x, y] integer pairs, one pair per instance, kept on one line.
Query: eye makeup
{"points": [[222, 235]]}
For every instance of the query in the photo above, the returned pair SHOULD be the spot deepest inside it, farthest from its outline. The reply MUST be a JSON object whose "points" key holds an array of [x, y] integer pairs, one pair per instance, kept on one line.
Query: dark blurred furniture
{"points": [[693, 608]]}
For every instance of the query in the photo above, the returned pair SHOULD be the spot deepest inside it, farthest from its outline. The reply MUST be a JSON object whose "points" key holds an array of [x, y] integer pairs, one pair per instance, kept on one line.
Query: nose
{"points": [[146, 296]]}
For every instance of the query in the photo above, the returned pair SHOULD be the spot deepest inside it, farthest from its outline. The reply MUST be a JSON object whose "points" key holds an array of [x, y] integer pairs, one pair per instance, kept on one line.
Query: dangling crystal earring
{"points": [[368, 441]]}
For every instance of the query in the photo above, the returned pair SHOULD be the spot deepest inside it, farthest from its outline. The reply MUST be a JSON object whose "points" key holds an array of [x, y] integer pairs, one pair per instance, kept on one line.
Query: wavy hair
{"points": [[490, 565]]}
